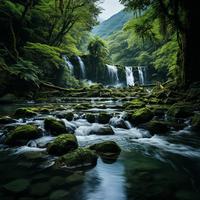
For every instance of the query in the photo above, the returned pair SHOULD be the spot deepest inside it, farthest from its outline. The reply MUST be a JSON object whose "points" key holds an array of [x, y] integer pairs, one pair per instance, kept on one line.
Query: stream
{"points": [[148, 168]]}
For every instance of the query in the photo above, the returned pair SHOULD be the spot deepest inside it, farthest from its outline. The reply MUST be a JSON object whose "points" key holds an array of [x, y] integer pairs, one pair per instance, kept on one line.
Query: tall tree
{"points": [[183, 15]]}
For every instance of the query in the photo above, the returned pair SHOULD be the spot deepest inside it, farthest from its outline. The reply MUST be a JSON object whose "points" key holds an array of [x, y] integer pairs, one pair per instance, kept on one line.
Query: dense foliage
{"points": [[35, 33]]}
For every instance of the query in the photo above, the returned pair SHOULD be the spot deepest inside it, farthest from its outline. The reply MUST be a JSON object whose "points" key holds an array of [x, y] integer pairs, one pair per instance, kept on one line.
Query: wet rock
{"points": [[134, 104], [83, 106], [81, 157], [17, 186], [62, 145], [196, 122], [181, 110], [108, 148], [6, 120], [75, 178], [55, 126], [22, 134], [104, 118], [40, 189], [66, 115], [118, 122], [90, 117], [57, 181], [24, 113], [58, 194], [141, 116], [102, 130], [156, 127]]}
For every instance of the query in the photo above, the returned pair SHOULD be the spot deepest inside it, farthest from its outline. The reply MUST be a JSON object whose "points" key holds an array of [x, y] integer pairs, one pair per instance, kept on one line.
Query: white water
{"points": [[113, 73], [129, 76], [82, 67], [68, 64], [141, 75]]}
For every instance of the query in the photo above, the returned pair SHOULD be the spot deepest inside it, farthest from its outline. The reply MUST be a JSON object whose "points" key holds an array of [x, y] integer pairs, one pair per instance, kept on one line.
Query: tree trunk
{"points": [[190, 43]]}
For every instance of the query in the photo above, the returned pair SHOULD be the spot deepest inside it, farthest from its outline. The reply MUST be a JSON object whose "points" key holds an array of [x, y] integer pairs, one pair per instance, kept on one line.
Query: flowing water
{"points": [[82, 67], [129, 76], [68, 64], [148, 168], [113, 74], [141, 75]]}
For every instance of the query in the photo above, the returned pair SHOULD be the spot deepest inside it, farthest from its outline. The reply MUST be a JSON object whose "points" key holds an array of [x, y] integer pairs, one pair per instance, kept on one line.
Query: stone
{"points": [[40, 189], [102, 130], [81, 157], [62, 145], [54, 126], [58, 194], [24, 113], [104, 118], [91, 118], [17, 186], [6, 120], [22, 134]]}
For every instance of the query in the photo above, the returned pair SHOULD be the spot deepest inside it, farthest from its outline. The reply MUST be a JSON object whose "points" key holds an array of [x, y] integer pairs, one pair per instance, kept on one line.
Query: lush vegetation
{"points": [[35, 33]]}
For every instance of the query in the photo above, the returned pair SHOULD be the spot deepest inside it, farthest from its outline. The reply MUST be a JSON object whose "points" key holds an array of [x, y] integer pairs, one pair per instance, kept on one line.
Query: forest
{"points": [[95, 108]]}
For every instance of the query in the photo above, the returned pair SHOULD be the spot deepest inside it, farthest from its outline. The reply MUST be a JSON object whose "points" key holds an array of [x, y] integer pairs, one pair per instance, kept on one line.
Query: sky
{"points": [[110, 7]]}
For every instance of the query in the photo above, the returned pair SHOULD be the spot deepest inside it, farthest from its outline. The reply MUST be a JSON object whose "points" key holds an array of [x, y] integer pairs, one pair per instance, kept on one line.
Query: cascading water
{"points": [[141, 75], [68, 64], [129, 76], [113, 73], [82, 66]]}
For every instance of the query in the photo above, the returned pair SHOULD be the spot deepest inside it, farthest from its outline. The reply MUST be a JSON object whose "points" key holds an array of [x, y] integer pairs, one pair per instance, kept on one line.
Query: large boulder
{"points": [[68, 115], [156, 127], [81, 157], [22, 134], [104, 118], [196, 122], [181, 110], [141, 116], [102, 130], [62, 145], [24, 113], [106, 148], [6, 120], [54, 126]]}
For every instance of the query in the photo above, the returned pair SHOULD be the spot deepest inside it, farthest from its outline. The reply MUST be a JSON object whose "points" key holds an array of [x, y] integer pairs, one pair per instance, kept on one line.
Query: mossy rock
{"points": [[102, 130], [6, 120], [66, 115], [40, 189], [45, 110], [55, 126], [22, 134], [181, 110], [141, 115], [81, 157], [83, 106], [90, 117], [24, 113], [108, 148], [17, 186], [59, 194], [104, 118], [159, 110], [134, 104], [62, 145], [196, 122], [156, 127]]}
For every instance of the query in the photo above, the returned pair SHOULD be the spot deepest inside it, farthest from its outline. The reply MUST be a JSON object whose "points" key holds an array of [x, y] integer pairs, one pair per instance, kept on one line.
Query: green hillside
{"points": [[113, 24]]}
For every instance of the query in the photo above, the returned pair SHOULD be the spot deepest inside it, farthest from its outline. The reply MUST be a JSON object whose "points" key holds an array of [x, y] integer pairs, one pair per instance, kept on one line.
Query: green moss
{"points": [[141, 116], [24, 113], [109, 147], [104, 118], [83, 106], [62, 145], [136, 103], [157, 127], [54, 126], [81, 157], [90, 118], [196, 122], [6, 120], [22, 134], [181, 110]]}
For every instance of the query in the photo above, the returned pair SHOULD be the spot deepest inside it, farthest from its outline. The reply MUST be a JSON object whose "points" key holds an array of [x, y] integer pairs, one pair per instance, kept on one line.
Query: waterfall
{"points": [[113, 73], [68, 64], [141, 75], [129, 76], [82, 66]]}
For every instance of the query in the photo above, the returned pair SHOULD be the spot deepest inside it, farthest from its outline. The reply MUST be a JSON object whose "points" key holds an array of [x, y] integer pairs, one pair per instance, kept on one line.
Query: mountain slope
{"points": [[113, 24]]}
